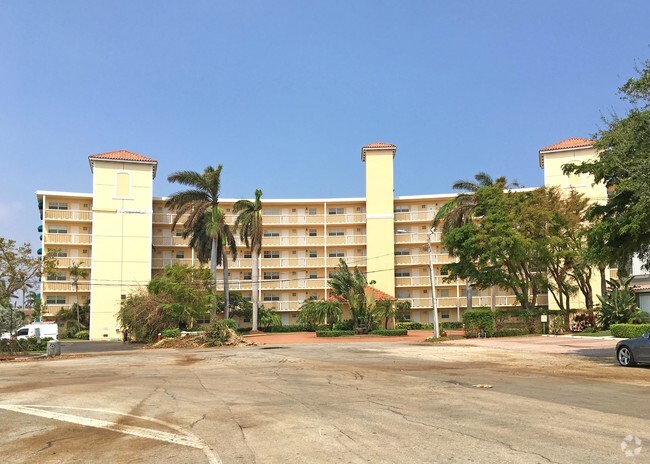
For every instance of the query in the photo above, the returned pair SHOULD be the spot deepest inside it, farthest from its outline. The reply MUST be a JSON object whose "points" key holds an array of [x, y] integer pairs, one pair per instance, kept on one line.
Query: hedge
{"points": [[478, 320], [334, 333], [390, 332], [451, 325], [629, 330], [510, 333], [82, 335], [285, 328], [414, 325]]}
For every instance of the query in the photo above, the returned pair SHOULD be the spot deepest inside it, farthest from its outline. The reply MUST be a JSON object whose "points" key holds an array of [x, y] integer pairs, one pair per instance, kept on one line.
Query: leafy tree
{"points": [[403, 309], [189, 290], [239, 306], [146, 314], [268, 317], [385, 311], [209, 234], [251, 231], [315, 312], [351, 286], [623, 166], [76, 273], [618, 305], [74, 317], [10, 319]]}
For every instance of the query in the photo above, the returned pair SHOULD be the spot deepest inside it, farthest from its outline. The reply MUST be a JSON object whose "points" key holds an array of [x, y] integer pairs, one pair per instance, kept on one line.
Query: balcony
{"points": [[69, 261], [68, 215], [346, 240], [65, 286], [170, 241], [484, 301], [168, 218], [415, 237], [419, 216], [69, 239], [353, 218], [160, 263]]}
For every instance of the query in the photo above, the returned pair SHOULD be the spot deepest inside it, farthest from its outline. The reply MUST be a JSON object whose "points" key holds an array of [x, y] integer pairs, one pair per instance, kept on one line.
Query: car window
{"points": [[22, 332]]}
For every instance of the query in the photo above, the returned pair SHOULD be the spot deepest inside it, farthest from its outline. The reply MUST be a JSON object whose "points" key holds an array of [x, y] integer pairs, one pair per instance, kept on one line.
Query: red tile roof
{"points": [[567, 144], [379, 295], [379, 145], [123, 155]]}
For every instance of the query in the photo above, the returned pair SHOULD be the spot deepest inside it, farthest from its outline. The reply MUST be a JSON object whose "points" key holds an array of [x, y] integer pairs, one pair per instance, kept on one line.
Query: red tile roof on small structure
{"points": [[574, 142], [378, 294], [123, 155]]}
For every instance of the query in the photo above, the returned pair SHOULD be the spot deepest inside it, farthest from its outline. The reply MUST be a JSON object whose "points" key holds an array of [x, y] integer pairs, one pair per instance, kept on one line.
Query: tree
{"points": [[269, 317], [146, 315], [623, 166], [316, 312], [76, 273], [209, 234], [385, 310], [351, 286], [239, 306], [251, 231], [190, 292]]}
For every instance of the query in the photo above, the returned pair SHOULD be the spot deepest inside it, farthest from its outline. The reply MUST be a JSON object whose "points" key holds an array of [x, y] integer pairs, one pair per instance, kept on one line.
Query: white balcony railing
{"points": [[68, 215], [170, 241], [65, 262], [159, 263], [71, 239], [65, 286]]}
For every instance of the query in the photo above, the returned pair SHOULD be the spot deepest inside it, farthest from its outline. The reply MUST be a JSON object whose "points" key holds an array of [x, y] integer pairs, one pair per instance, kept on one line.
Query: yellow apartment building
{"points": [[121, 235]]}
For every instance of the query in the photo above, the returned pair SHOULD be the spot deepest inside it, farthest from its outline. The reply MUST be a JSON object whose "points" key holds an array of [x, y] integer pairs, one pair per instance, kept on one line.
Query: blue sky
{"points": [[284, 93]]}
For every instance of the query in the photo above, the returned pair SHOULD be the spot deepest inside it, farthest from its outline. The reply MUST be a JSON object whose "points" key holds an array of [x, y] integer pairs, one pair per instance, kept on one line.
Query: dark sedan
{"points": [[634, 350]]}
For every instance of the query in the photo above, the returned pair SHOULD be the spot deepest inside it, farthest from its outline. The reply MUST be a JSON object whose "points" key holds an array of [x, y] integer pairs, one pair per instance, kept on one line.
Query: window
{"points": [[179, 232], [445, 314], [402, 252], [85, 252], [271, 254], [313, 275], [248, 275], [313, 296], [313, 253], [312, 211], [248, 254], [401, 209], [444, 271], [313, 233], [58, 253], [247, 296], [180, 255], [336, 254], [271, 233], [58, 205], [122, 185], [336, 232], [56, 276], [443, 250], [271, 275], [272, 212], [271, 297], [403, 293], [463, 292], [57, 229], [336, 211], [402, 273], [444, 293], [55, 299]]}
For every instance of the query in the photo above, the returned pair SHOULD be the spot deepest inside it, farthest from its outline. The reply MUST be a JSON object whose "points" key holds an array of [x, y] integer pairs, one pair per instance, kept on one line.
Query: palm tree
{"points": [[206, 226], [351, 286], [461, 209], [76, 273], [251, 230]]}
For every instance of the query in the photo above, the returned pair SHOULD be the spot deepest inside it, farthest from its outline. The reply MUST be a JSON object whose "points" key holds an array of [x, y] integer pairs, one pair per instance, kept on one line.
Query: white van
{"points": [[37, 329]]}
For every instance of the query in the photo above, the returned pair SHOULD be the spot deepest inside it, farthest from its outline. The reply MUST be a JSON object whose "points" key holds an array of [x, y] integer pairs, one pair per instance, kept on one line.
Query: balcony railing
{"points": [[484, 301], [68, 215], [168, 218], [170, 241], [413, 237], [159, 263], [65, 286], [74, 239], [69, 261], [415, 216]]}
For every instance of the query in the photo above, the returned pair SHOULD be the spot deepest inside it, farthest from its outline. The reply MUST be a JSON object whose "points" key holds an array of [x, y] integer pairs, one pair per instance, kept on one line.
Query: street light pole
{"points": [[434, 299]]}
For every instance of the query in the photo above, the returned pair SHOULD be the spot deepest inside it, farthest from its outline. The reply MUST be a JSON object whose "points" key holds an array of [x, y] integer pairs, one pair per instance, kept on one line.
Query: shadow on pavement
{"points": [[95, 347]]}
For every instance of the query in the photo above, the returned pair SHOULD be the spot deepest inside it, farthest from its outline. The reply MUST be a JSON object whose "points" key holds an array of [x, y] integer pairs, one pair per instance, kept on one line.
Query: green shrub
{"points": [[286, 328], [243, 330], [414, 325], [390, 332], [455, 325], [589, 330], [629, 330], [478, 321], [220, 332], [343, 325], [171, 333], [510, 333], [334, 333], [82, 335]]}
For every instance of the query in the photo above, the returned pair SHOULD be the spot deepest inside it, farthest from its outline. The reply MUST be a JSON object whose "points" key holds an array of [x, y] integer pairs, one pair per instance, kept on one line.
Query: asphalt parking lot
{"points": [[346, 402]]}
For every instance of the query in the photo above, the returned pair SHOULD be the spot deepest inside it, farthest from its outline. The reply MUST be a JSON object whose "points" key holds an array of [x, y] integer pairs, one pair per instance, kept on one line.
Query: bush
{"points": [[220, 332], [588, 330], [629, 330], [334, 333], [171, 333], [390, 332], [478, 321], [29, 344], [285, 328], [344, 325], [451, 325], [510, 333], [82, 335], [414, 325]]}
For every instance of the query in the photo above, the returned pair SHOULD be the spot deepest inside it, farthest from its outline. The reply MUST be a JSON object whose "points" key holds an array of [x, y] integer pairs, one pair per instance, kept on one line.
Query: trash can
{"points": [[54, 348]]}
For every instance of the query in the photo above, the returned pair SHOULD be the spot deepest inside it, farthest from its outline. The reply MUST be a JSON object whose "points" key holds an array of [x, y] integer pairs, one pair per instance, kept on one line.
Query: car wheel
{"points": [[625, 357]]}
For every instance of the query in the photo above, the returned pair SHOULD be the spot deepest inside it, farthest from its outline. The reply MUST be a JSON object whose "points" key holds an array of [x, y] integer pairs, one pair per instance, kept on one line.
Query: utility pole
{"points": [[434, 299]]}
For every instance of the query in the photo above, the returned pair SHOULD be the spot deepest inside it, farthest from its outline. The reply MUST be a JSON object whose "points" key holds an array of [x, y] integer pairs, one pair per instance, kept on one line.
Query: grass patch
{"points": [[602, 333]]}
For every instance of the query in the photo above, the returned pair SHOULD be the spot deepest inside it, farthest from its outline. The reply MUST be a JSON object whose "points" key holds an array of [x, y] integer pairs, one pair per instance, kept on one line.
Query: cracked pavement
{"points": [[348, 403]]}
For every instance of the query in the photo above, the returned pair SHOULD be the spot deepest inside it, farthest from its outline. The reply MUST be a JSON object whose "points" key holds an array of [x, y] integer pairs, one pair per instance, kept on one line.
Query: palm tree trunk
{"points": [[255, 295], [225, 285], [76, 291], [213, 269]]}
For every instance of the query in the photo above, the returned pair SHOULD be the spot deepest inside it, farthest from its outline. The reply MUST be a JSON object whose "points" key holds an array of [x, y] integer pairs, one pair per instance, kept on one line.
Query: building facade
{"points": [[121, 236]]}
